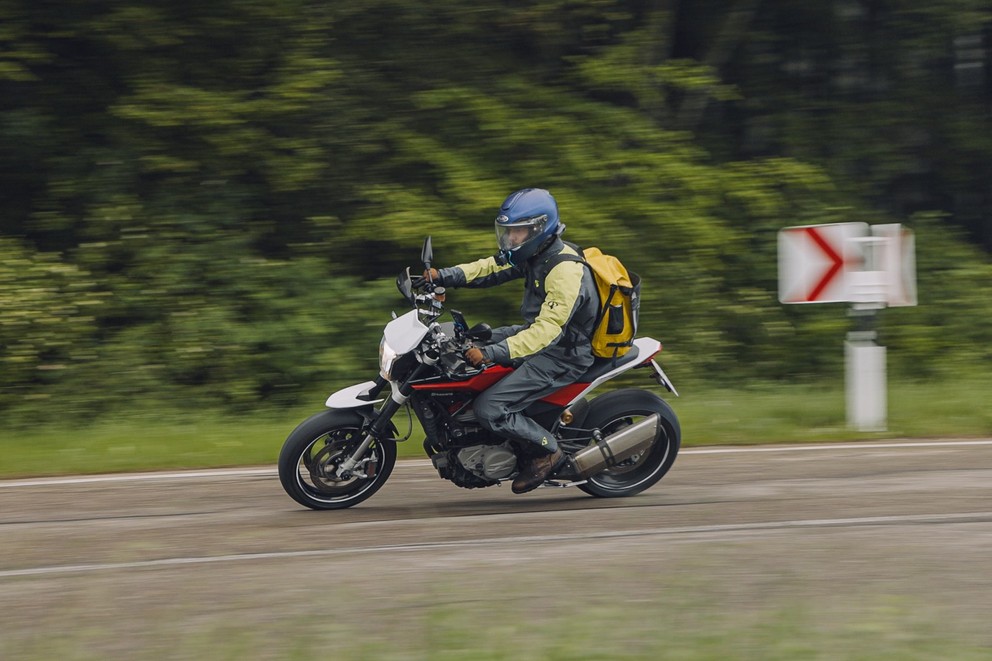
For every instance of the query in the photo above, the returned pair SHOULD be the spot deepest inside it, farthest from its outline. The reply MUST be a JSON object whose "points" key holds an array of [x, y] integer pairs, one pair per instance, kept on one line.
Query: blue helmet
{"points": [[526, 220]]}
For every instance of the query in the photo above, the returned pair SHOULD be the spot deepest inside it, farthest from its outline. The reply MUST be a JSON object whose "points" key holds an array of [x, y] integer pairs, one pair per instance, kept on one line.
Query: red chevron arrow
{"points": [[836, 263]]}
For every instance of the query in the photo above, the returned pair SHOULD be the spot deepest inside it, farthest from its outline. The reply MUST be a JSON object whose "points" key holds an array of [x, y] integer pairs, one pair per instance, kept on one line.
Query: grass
{"points": [[798, 414], [660, 628], [762, 413]]}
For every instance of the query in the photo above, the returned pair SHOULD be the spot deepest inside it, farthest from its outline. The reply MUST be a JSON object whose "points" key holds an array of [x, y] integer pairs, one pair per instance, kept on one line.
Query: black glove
{"points": [[430, 275]]}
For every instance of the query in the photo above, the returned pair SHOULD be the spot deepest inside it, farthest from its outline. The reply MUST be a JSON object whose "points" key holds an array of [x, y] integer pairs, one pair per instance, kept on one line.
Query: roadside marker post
{"points": [[869, 267]]}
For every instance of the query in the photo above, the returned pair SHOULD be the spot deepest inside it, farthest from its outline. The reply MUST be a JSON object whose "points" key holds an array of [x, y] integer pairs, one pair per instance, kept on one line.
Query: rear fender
{"points": [[647, 348]]}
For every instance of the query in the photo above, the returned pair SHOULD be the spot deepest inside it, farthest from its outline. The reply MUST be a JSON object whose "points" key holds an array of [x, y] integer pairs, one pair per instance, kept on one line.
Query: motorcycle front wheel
{"points": [[612, 412], [314, 450]]}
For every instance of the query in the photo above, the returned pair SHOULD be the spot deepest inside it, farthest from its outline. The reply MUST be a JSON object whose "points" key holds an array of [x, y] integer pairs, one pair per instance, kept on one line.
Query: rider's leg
{"points": [[500, 408]]}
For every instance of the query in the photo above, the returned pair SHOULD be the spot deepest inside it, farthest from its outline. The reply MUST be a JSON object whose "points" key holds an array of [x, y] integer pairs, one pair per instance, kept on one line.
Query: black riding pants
{"points": [[500, 409]]}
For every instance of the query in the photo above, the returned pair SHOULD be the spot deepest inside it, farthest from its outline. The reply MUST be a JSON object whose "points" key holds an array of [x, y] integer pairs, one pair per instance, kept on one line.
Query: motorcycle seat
{"points": [[601, 366]]}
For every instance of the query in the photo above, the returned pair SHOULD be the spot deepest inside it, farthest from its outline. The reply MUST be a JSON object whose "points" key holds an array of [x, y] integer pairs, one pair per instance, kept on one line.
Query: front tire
{"points": [[613, 411], [313, 451]]}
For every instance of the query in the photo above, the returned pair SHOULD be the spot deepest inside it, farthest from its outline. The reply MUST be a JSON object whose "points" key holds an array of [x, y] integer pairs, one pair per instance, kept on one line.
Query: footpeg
{"points": [[562, 485]]}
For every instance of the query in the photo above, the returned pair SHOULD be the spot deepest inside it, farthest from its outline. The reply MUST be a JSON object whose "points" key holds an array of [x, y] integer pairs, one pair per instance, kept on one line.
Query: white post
{"points": [[866, 383], [864, 359]]}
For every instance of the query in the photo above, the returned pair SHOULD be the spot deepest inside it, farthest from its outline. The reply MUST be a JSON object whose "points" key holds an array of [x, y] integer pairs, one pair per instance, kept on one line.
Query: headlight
{"points": [[386, 359]]}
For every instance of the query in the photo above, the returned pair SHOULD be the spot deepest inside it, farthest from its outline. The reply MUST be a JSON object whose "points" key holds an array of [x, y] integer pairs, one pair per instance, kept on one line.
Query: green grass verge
{"points": [[763, 413], [884, 629]]}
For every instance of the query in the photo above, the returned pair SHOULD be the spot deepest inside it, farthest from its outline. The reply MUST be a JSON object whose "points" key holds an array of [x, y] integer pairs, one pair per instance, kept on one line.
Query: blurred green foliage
{"points": [[207, 203]]}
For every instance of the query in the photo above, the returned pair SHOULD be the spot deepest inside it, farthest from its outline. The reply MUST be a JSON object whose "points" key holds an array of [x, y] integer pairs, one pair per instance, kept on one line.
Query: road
{"points": [[178, 564]]}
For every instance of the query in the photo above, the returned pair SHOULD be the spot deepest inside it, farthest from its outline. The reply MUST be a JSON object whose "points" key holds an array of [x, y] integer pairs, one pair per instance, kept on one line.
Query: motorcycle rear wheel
{"points": [[313, 451], [614, 411]]}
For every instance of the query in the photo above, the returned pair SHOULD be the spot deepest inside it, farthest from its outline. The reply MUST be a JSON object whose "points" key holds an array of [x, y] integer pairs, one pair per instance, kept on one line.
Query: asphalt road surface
{"points": [[172, 564]]}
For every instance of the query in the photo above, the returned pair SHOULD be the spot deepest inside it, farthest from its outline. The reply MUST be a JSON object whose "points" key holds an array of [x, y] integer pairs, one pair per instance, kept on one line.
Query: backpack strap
{"points": [[554, 260], [559, 258]]}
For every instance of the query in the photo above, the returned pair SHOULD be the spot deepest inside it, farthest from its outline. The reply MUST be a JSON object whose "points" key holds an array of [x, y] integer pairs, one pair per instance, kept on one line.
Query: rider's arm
{"points": [[562, 284], [480, 273], [503, 332]]}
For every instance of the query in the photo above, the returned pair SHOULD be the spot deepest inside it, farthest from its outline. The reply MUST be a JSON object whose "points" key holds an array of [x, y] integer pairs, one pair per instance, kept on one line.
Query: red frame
{"points": [[485, 380]]}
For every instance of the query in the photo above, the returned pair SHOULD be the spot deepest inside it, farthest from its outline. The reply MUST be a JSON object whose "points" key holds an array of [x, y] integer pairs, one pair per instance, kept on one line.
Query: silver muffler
{"points": [[617, 447]]}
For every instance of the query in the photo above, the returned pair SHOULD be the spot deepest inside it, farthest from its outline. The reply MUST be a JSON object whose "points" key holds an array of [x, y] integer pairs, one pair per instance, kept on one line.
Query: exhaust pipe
{"points": [[617, 447]]}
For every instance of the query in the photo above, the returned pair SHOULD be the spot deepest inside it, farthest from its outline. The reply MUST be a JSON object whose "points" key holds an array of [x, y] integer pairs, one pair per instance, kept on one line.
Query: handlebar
{"points": [[428, 299]]}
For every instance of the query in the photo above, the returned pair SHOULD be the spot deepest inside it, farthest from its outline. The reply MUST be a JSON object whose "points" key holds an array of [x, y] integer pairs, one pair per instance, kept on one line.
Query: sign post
{"points": [[870, 268], [864, 360]]}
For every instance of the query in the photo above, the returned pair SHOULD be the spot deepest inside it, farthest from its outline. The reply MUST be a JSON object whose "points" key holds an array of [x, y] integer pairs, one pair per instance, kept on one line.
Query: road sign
{"points": [[869, 269], [814, 262], [898, 263]]}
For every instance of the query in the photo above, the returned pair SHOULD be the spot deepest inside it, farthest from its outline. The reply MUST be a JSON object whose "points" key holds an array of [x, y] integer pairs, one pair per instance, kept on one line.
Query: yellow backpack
{"points": [[619, 302]]}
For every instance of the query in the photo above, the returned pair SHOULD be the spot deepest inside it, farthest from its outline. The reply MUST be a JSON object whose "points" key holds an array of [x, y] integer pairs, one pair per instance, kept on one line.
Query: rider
{"points": [[552, 347]]}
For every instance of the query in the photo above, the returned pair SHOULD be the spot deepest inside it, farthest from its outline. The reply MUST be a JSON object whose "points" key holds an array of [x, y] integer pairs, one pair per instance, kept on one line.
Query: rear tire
{"points": [[315, 449], [615, 410]]}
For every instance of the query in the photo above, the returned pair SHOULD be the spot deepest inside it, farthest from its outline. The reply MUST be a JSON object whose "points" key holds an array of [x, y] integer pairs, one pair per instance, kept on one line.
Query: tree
{"points": [[207, 203]]}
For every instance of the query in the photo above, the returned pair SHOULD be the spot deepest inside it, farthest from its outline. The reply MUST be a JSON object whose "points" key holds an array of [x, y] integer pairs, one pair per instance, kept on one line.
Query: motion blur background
{"points": [[205, 204]]}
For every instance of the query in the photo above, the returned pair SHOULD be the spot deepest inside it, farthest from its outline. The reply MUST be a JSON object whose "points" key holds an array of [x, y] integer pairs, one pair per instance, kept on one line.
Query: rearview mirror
{"points": [[427, 254]]}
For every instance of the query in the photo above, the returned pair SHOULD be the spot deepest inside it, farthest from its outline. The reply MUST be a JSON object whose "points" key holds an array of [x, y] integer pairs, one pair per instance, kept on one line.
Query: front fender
{"points": [[352, 397]]}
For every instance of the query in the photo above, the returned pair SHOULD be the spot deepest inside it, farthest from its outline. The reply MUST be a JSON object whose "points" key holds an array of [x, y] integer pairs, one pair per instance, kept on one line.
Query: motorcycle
{"points": [[617, 444]]}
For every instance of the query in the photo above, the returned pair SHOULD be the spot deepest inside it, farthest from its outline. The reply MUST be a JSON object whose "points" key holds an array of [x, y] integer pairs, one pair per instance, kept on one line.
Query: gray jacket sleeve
{"points": [[497, 351]]}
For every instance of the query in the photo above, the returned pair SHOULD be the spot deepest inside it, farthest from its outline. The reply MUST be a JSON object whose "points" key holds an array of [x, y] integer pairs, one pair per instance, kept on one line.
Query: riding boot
{"points": [[537, 471]]}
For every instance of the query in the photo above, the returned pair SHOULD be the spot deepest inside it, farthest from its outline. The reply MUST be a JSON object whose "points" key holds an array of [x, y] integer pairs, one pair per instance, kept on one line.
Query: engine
{"points": [[476, 466], [465, 453], [491, 462]]}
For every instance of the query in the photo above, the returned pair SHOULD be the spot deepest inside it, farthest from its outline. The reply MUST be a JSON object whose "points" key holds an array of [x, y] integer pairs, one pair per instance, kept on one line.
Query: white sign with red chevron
{"points": [[815, 262], [847, 262]]}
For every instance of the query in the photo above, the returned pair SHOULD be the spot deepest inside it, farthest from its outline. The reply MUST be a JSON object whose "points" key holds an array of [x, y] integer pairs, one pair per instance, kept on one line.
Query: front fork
{"points": [[380, 425]]}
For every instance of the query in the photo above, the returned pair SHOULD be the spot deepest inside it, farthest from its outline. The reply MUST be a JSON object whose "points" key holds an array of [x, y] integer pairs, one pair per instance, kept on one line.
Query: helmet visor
{"points": [[510, 236]]}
